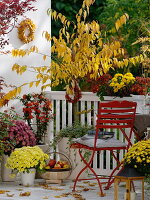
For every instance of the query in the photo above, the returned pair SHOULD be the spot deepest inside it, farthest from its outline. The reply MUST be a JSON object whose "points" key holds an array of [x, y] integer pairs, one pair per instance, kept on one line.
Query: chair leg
{"points": [[111, 179], [88, 166]]}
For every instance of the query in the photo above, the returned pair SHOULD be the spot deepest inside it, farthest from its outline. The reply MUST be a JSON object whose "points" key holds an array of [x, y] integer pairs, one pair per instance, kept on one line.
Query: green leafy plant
{"points": [[75, 130]]}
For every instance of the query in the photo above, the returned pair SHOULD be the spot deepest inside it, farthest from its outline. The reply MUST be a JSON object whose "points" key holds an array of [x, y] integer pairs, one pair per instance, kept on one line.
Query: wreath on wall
{"points": [[26, 25]]}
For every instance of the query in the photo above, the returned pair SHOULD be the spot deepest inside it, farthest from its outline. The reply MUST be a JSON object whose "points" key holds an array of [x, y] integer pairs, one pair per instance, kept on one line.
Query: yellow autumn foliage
{"points": [[84, 51]]}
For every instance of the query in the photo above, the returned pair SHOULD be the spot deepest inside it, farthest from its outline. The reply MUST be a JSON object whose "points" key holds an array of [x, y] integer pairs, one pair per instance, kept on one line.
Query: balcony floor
{"points": [[42, 191]]}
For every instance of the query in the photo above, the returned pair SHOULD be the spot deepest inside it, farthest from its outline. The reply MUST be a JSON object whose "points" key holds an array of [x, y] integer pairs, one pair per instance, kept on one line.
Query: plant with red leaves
{"points": [[141, 86], [10, 10]]}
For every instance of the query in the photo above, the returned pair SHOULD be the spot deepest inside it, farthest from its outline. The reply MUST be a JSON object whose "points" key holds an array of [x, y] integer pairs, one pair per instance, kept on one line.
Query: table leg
{"points": [[116, 189], [142, 189], [128, 189]]}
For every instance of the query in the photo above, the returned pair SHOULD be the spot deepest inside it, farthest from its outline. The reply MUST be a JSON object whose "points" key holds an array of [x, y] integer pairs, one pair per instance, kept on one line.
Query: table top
{"points": [[142, 121]]}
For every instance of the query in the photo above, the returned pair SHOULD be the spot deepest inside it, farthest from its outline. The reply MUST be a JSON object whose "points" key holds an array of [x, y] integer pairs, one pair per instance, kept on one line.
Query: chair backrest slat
{"points": [[116, 114]]}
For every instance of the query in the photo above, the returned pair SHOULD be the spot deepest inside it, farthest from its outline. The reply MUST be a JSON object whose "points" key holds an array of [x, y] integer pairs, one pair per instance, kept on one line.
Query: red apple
{"points": [[57, 166], [66, 166], [60, 163], [51, 163]]}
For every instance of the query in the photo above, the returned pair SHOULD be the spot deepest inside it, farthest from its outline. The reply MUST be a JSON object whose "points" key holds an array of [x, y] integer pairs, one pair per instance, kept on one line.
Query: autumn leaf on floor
{"points": [[51, 188], [25, 194], [78, 196], [92, 184], [81, 186], [10, 195], [65, 194], [62, 184], [3, 191], [45, 197], [19, 189], [58, 196], [86, 189], [86, 182]]}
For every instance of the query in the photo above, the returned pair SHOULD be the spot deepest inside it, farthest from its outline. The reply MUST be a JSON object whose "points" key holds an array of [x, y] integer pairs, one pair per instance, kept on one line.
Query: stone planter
{"points": [[6, 173], [140, 99], [142, 108], [44, 147], [74, 157], [113, 98]]}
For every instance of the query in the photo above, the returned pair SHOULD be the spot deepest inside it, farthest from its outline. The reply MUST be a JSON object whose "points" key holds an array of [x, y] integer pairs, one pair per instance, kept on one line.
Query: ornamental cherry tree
{"points": [[82, 49], [10, 10]]}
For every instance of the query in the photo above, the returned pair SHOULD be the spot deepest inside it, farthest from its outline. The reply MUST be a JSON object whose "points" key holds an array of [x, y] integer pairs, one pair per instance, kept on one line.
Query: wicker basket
{"points": [[57, 175]]}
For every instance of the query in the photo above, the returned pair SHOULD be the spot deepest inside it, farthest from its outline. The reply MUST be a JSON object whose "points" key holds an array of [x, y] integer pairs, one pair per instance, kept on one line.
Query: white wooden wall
{"points": [[103, 163]]}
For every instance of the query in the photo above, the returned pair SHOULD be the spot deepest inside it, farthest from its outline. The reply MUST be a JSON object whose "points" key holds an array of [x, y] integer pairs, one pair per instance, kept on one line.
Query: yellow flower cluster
{"points": [[120, 81], [138, 154], [26, 25], [25, 158]]}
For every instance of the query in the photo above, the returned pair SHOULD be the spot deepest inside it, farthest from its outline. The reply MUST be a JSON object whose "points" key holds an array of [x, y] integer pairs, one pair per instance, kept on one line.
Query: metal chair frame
{"points": [[111, 115]]}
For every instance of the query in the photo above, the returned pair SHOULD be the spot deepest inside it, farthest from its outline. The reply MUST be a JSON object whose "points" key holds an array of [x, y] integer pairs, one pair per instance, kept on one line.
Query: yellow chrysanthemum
{"points": [[138, 154], [27, 157], [120, 81]]}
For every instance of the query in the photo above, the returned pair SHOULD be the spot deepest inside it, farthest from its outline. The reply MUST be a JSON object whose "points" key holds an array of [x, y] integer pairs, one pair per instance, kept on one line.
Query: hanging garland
{"points": [[26, 25], [76, 92]]}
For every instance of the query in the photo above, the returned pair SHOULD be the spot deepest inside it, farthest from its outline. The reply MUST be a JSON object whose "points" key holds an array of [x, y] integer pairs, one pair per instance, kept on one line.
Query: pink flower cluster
{"points": [[22, 134]]}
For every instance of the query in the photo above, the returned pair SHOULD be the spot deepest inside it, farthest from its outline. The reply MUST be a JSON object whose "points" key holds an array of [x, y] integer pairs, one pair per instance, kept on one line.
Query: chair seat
{"points": [[101, 143]]}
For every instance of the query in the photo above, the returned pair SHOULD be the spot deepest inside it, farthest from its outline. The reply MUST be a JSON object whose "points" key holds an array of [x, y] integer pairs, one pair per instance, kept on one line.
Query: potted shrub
{"points": [[37, 113], [64, 138], [27, 160]]}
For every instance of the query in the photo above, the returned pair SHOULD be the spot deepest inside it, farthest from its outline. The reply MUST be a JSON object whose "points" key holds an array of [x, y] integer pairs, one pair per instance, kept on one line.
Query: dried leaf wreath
{"points": [[75, 91], [26, 25]]}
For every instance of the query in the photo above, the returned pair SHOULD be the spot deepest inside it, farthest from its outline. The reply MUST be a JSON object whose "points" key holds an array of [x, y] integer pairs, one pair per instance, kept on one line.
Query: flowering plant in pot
{"points": [[24, 158], [27, 160], [119, 85], [37, 112], [14, 132], [138, 156], [141, 86]]}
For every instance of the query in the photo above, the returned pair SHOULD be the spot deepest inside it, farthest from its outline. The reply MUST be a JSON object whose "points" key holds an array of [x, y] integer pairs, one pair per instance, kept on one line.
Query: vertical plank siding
{"points": [[63, 111]]}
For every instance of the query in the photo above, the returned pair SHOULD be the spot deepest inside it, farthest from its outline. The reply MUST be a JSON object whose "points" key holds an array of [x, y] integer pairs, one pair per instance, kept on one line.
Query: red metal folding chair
{"points": [[111, 115]]}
